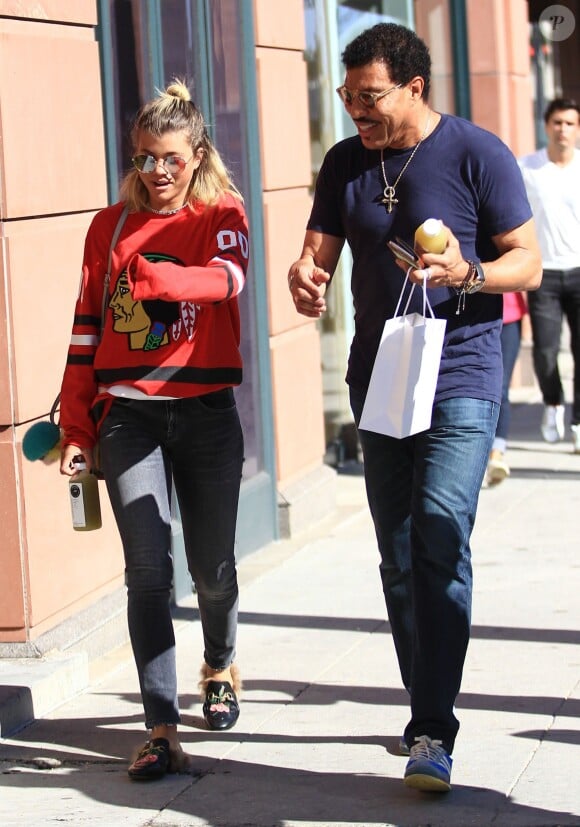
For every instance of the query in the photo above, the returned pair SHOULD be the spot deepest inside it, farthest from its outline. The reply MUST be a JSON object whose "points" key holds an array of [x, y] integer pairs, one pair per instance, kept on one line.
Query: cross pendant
{"points": [[389, 199]]}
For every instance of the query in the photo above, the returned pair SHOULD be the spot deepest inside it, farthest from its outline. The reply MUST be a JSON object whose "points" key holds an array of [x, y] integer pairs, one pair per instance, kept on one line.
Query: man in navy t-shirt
{"points": [[409, 163]]}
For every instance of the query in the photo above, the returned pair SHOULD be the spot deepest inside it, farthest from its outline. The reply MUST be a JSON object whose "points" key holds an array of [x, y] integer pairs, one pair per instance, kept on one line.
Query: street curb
{"points": [[31, 688]]}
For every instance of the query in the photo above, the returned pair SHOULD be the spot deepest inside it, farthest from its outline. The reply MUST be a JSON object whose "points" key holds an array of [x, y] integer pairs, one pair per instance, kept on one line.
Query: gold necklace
{"points": [[389, 199]]}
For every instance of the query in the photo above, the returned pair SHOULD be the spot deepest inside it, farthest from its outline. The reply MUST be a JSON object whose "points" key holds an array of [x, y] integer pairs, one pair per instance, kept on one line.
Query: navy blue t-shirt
{"points": [[461, 174]]}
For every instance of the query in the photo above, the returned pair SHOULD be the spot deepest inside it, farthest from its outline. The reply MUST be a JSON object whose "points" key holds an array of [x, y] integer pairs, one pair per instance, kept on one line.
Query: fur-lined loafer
{"points": [[221, 709], [152, 761]]}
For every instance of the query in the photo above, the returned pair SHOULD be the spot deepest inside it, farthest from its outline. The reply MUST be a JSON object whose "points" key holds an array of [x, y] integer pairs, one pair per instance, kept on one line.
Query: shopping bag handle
{"points": [[426, 302]]}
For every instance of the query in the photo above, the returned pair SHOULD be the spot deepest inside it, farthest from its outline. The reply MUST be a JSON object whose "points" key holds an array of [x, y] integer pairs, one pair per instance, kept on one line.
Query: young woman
{"points": [[151, 367]]}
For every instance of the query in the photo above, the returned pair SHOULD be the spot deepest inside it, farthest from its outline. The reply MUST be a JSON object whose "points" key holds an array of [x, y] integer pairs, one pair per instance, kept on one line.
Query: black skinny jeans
{"points": [[198, 442], [558, 296]]}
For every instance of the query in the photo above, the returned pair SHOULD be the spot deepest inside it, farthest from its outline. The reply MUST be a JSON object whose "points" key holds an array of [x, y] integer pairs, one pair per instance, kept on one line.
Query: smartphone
{"points": [[403, 251]]}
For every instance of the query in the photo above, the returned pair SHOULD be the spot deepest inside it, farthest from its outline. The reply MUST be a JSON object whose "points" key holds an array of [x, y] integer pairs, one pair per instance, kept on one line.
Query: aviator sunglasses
{"points": [[171, 164], [368, 99]]}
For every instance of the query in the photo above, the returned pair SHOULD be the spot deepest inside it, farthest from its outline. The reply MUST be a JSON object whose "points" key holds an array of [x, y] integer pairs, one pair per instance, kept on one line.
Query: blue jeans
{"points": [[422, 493], [198, 443], [511, 335], [558, 296]]}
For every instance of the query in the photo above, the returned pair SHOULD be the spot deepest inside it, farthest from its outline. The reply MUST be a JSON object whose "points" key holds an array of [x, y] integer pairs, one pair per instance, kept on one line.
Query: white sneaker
{"points": [[497, 468], [553, 423], [576, 438]]}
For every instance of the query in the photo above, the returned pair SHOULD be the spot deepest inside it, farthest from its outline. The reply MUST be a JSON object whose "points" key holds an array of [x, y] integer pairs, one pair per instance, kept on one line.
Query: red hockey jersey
{"points": [[172, 324]]}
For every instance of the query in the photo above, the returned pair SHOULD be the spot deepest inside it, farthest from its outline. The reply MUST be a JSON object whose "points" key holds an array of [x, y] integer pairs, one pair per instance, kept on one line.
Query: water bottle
{"points": [[431, 236], [83, 490]]}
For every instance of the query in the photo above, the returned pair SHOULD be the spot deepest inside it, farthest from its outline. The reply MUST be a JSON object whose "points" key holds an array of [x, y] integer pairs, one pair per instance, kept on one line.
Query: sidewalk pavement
{"points": [[323, 708]]}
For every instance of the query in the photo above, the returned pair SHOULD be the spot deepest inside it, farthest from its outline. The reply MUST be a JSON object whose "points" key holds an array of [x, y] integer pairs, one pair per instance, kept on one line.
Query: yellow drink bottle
{"points": [[83, 490], [431, 236]]}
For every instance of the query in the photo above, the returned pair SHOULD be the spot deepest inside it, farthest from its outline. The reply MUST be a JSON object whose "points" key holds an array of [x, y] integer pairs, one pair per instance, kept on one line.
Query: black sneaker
{"points": [[152, 761], [220, 707]]}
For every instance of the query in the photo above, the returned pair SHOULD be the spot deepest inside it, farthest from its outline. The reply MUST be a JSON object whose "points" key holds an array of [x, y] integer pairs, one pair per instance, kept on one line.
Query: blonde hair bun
{"points": [[178, 89], [172, 110]]}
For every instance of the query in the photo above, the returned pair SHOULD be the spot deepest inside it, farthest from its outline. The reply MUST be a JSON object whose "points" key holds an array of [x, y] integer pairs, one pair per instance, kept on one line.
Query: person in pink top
{"points": [[515, 308]]}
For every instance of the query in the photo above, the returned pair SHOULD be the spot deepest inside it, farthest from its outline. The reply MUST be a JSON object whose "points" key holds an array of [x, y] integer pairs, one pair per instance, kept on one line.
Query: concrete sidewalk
{"points": [[323, 708]]}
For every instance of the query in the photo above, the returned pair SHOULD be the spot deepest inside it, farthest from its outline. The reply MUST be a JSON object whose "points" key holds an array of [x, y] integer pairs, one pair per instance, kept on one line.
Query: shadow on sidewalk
{"points": [[371, 625], [115, 737], [239, 793]]}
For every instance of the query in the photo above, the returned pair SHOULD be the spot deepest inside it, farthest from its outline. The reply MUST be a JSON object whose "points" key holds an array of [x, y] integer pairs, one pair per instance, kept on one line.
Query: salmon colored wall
{"points": [[66, 568], [499, 65], [432, 24], [279, 30], [81, 12], [5, 339], [12, 606], [501, 90], [53, 176], [45, 257], [46, 148], [285, 147], [284, 142], [297, 401], [285, 213]]}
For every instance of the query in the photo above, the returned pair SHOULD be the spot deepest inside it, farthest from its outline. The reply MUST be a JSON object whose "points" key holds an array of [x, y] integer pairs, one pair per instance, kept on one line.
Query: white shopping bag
{"points": [[399, 400]]}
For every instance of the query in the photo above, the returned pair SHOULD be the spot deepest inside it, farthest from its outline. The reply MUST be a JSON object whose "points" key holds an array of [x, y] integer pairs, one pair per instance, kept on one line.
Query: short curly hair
{"points": [[404, 53], [560, 105]]}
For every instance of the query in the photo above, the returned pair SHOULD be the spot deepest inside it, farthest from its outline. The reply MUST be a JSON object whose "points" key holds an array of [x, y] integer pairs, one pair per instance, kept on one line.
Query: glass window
{"points": [[132, 80], [229, 135]]}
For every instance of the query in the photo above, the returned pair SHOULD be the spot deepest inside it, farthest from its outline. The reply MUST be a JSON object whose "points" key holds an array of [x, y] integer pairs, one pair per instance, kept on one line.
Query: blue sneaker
{"points": [[403, 748], [429, 766]]}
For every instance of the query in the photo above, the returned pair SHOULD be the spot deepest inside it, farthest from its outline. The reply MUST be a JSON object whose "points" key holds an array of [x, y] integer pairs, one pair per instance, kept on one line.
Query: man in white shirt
{"points": [[552, 179]]}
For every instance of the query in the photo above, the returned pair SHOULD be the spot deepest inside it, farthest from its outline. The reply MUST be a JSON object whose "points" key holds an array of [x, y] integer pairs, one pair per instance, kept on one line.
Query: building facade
{"points": [[71, 77]]}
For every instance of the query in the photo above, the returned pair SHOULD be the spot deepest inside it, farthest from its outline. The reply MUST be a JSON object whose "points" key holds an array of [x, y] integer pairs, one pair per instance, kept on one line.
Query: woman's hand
{"points": [[66, 459]]}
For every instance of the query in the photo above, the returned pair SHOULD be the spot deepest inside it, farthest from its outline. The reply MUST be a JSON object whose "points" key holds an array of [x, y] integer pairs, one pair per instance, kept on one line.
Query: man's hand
{"points": [[445, 270], [307, 285]]}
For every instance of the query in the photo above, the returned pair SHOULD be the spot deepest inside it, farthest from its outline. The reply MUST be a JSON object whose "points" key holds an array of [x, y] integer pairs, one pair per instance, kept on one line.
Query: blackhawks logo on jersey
{"points": [[150, 324]]}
